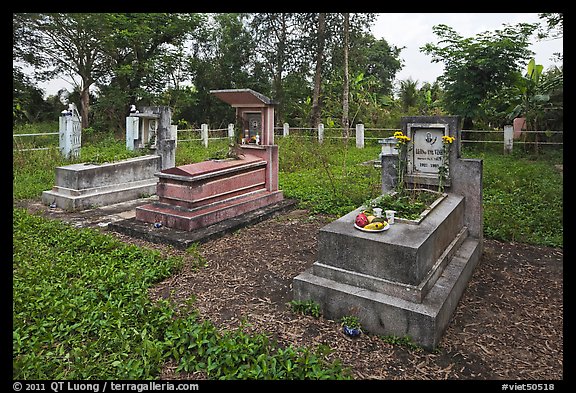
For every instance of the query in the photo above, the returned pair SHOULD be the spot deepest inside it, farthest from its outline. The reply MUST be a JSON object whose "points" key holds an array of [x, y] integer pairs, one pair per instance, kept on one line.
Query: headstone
{"points": [[151, 128], [70, 132], [426, 146]]}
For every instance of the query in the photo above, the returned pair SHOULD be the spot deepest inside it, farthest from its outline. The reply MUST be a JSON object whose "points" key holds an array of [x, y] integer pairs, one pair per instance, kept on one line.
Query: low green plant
{"points": [[350, 321], [81, 310], [80, 303], [238, 355], [305, 307], [405, 341], [200, 260], [408, 204]]}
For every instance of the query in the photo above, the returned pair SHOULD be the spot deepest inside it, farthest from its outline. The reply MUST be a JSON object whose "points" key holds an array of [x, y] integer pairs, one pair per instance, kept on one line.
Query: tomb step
{"points": [[67, 200], [414, 293], [204, 170], [199, 202], [385, 314], [192, 194], [191, 219]]}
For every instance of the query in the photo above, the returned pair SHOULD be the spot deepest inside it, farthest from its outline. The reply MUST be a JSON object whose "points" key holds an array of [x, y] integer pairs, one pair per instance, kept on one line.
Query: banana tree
{"points": [[534, 95]]}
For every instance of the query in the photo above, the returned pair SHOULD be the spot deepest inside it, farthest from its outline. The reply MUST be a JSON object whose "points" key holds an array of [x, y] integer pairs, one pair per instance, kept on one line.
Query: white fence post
{"points": [[360, 136], [204, 134], [132, 125], [174, 133], [508, 138], [231, 131], [320, 133], [285, 129]]}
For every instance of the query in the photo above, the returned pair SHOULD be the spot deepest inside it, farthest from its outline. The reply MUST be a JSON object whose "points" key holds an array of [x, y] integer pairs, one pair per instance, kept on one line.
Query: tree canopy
{"points": [[307, 62]]}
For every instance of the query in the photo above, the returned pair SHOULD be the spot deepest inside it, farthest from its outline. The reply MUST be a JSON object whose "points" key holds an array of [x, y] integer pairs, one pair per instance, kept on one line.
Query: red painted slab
{"points": [[188, 220], [204, 167], [209, 188]]}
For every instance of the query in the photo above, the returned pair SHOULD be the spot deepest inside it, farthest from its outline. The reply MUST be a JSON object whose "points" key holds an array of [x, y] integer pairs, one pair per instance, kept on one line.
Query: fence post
{"points": [[285, 129], [174, 134], [508, 138], [231, 132], [320, 133], [360, 136], [204, 134]]}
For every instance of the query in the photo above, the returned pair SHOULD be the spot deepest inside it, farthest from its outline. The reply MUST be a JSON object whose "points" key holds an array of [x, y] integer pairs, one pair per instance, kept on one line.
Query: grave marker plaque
{"points": [[426, 155]]}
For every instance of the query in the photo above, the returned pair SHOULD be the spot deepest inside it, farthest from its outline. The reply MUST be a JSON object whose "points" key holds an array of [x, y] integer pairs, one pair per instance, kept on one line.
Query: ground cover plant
{"points": [[81, 310]]}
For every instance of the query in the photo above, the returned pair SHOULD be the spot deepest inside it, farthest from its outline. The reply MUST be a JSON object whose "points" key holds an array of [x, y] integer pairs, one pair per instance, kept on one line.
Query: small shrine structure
{"points": [[198, 195]]}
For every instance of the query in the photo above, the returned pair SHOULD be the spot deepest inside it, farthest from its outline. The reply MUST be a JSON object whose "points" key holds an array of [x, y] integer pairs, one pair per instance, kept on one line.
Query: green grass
{"points": [[81, 311], [330, 178], [523, 198]]}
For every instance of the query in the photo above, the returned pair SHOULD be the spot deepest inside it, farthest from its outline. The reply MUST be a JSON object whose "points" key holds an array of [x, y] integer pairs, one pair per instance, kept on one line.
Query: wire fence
{"points": [[46, 140], [38, 141]]}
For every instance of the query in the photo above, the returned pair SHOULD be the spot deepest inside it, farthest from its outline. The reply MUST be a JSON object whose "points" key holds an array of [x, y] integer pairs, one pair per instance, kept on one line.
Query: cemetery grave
{"points": [[407, 279]]}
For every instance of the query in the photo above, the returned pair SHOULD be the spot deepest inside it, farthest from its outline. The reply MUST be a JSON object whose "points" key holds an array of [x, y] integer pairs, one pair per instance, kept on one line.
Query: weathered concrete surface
{"points": [[467, 181], [382, 314], [405, 253], [389, 165], [405, 281], [184, 239], [85, 185]]}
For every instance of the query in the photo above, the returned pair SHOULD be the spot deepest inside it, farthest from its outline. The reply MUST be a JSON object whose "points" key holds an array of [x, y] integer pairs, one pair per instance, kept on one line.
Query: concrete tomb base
{"points": [[198, 195], [405, 281], [86, 185]]}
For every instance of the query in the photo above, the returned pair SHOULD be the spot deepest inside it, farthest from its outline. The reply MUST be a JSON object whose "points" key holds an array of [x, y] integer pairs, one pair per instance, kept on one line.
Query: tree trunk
{"points": [[346, 90], [315, 117], [277, 83], [84, 104]]}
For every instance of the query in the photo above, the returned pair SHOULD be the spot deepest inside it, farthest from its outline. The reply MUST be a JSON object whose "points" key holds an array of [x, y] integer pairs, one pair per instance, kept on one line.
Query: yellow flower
{"points": [[401, 137], [447, 139]]}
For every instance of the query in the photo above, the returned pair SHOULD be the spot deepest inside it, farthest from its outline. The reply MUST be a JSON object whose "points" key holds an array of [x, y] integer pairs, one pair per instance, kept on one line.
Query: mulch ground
{"points": [[508, 324]]}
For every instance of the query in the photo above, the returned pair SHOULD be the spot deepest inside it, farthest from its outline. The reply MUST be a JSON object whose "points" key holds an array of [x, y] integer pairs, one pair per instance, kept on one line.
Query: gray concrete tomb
{"points": [[408, 280]]}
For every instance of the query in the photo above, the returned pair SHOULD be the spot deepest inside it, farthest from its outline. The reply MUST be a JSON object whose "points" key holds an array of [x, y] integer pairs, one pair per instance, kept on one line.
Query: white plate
{"points": [[386, 227]]}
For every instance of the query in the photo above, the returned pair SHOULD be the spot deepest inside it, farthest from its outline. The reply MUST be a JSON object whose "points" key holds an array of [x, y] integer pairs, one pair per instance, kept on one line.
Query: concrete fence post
{"points": [[508, 138], [360, 136], [231, 131], [285, 129], [320, 133], [174, 133], [204, 134]]}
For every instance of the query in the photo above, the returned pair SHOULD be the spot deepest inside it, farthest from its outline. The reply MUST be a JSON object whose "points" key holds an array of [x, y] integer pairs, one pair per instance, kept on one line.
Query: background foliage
{"points": [[118, 59]]}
